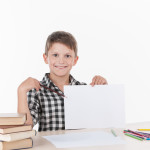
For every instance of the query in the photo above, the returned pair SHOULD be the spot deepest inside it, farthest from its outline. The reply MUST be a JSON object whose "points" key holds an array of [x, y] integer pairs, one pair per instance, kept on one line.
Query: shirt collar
{"points": [[47, 82], [72, 80]]}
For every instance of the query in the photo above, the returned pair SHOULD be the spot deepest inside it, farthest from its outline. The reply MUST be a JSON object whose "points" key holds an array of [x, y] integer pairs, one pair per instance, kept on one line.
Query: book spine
{"points": [[17, 136], [17, 145], [15, 129]]}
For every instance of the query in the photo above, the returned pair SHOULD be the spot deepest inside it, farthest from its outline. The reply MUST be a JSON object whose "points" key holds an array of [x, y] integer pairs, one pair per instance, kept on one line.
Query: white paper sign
{"points": [[101, 106]]}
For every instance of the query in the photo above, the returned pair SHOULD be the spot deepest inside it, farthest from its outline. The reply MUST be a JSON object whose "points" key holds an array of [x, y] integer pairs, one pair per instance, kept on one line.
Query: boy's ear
{"points": [[75, 60], [45, 58]]}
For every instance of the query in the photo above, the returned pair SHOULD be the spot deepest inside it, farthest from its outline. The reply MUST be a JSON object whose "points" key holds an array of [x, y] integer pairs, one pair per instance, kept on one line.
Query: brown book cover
{"points": [[12, 119], [5, 129], [20, 144], [17, 136]]}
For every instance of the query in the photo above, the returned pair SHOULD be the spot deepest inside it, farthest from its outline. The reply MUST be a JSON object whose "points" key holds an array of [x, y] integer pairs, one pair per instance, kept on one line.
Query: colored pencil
{"points": [[144, 129], [134, 132], [138, 138], [113, 132], [52, 90], [145, 134]]}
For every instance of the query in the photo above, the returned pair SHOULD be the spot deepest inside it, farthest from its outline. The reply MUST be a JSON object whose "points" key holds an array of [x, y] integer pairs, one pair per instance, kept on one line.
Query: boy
{"points": [[45, 99]]}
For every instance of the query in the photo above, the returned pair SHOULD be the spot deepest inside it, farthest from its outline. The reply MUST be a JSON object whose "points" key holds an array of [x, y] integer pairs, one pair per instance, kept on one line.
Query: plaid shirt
{"points": [[46, 107]]}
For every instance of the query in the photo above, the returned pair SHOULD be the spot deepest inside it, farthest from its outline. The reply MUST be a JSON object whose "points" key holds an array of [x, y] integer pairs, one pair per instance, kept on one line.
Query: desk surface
{"points": [[40, 143]]}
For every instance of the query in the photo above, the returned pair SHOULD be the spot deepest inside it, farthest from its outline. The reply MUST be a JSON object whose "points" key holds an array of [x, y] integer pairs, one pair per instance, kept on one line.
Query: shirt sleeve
{"points": [[34, 106]]}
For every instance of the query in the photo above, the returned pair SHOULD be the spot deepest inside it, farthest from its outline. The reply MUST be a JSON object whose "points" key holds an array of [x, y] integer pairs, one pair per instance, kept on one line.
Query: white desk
{"points": [[40, 143]]}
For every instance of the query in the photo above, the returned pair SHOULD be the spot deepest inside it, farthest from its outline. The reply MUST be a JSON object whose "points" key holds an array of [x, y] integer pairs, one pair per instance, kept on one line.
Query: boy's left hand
{"points": [[98, 80]]}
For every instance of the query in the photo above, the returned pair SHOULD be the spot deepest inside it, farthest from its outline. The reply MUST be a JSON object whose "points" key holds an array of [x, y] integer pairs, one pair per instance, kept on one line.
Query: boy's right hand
{"points": [[29, 84]]}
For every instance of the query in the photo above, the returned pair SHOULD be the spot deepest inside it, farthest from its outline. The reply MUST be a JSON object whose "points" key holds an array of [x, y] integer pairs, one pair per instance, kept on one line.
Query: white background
{"points": [[113, 41]]}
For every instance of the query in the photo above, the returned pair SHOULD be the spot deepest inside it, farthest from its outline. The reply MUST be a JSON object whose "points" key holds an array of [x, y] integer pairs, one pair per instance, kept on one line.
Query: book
{"points": [[25, 143], [5, 129], [17, 136], [12, 119]]}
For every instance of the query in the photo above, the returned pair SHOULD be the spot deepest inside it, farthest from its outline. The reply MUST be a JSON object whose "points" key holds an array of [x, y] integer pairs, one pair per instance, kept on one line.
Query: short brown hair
{"points": [[61, 37]]}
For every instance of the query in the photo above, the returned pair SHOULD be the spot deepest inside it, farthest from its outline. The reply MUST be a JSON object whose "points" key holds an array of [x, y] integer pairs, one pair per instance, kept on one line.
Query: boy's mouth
{"points": [[60, 67]]}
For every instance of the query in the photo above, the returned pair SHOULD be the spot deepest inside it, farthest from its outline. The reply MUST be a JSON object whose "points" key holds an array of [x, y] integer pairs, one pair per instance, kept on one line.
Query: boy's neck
{"points": [[59, 81]]}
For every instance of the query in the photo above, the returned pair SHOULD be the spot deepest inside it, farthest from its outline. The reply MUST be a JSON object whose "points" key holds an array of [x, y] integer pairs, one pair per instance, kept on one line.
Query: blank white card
{"points": [[101, 106]]}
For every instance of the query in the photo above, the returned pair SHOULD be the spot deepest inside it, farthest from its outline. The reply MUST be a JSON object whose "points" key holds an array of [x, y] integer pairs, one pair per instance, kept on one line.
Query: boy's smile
{"points": [[60, 59]]}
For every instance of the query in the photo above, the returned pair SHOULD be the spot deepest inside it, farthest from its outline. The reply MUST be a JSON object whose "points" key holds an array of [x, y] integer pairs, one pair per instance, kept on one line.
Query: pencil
{"points": [[113, 132], [138, 138], [133, 132], [144, 129], [145, 134], [52, 90]]}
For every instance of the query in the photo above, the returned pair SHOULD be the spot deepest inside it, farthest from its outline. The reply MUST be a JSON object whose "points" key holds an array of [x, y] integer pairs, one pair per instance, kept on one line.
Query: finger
{"points": [[93, 81], [37, 84], [100, 82], [97, 80], [92, 84], [37, 88], [104, 81]]}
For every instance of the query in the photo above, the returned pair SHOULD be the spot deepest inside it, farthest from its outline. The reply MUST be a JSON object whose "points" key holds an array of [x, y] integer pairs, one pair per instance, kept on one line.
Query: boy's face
{"points": [[60, 59]]}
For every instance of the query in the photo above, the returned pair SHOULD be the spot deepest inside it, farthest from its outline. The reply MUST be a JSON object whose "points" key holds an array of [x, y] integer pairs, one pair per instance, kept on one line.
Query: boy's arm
{"points": [[26, 86], [23, 105]]}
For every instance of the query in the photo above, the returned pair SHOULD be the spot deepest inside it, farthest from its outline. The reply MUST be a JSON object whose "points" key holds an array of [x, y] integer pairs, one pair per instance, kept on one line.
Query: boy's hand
{"points": [[98, 80], [29, 84]]}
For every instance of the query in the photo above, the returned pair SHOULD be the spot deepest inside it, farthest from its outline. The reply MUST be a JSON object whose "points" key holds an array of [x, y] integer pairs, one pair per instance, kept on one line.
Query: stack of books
{"points": [[14, 133]]}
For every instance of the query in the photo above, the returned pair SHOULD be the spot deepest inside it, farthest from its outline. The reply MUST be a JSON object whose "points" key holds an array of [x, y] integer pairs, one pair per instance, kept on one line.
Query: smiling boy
{"points": [[46, 105]]}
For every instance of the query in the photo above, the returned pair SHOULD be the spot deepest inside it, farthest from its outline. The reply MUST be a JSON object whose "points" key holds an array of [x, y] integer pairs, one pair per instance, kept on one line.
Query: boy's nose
{"points": [[61, 60]]}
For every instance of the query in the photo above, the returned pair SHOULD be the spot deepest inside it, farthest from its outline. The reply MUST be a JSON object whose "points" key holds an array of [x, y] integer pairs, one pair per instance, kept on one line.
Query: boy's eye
{"points": [[68, 56], [55, 55]]}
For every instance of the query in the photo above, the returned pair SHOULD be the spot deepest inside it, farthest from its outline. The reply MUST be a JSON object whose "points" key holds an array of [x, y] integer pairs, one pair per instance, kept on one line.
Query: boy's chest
{"points": [[51, 111], [50, 101]]}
